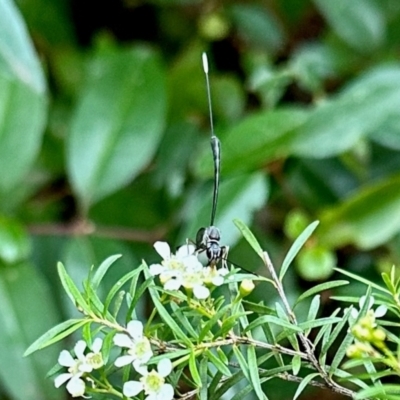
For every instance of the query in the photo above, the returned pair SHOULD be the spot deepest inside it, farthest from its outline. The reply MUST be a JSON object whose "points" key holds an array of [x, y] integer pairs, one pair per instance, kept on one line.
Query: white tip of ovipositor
{"points": [[205, 63]]}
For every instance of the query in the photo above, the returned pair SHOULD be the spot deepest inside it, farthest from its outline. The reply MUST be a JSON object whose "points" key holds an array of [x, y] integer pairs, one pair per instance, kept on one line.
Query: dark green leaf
{"points": [[23, 102], [125, 91]]}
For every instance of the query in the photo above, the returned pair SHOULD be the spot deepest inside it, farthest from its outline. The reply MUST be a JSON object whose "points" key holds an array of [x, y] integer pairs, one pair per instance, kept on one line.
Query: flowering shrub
{"points": [[204, 337]]}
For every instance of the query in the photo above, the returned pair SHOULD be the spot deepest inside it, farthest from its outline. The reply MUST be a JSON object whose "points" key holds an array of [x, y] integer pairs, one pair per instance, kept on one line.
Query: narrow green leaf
{"points": [[102, 270], [363, 280], [320, 288], [295, 248], [164, 314], [72, 291], [304, 383], [46, 339], [248, 235], [118, 285], [258, 308], [204, 378], [374, 391], [313, 311], [388, 283], [270, 319], [335, 333], [253, 369], [212, 321], [183, 320], [218, 363], [194, 372], [242, 362], [296, 364], [340, 353], [319, 322]]}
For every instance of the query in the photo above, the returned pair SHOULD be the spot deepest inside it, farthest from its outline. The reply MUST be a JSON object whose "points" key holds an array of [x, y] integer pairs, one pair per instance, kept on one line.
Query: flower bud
{"points": [[246, 287]]}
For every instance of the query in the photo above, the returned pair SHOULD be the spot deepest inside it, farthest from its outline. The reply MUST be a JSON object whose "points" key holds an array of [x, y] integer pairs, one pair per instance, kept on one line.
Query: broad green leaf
{"points": [[316, 263], [23, 100], [14, 241], [257, 139], [26, 311], [295, 248], [257, 26], [254, 376], [367, 219], [361, 23], [118, 122], [102, 270], [239, 197], [320, 288], [248, 235], [338, 124]]}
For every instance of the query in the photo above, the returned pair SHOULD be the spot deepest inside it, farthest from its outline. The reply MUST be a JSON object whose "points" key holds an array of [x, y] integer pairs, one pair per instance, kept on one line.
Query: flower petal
{"points": [[65, 359], [163, 249], [185, 250], [217, 280], [164, 367], [79, 349], [380, 311], [135, 329], [61, 379], [173, 284], [140, 367], [166, 392], [123, 360], [97, 345], [201, 292], [156, 269], [122, 340], [76, 387], [132, 388]]}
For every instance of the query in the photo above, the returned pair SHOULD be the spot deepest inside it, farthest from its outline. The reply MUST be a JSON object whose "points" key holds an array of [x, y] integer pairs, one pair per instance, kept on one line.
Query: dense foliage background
{"points": [[104, 145]]}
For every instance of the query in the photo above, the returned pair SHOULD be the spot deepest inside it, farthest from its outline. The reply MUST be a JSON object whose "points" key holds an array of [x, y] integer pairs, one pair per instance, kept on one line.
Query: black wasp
{"points": [[207, 239]]}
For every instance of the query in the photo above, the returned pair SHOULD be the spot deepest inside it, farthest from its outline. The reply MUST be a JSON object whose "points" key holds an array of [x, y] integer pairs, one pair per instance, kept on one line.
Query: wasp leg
{"points": [[224, 256]]}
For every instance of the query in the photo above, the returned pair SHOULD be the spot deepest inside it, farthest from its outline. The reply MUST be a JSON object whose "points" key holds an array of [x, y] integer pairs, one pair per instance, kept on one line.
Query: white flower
{"points": [[153, 383], [139, 349], [379, 312], [76, 368], [172, 265], [214, 276], [94, 358]]}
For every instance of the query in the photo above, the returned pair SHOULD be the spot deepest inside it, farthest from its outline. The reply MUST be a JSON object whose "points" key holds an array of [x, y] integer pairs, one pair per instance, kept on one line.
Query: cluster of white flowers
{"points": [[379, 312], [78, 366], [139, 353], [183, 269]]}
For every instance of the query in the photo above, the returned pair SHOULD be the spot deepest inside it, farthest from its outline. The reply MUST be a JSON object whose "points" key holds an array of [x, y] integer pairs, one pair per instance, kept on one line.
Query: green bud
{"points": [[246, 287]]}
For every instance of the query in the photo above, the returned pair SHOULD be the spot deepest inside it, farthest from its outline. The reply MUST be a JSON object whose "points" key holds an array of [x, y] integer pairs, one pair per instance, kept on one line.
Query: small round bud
{"points": [[246, 287], [378, 335], [353, 351], [361, 333]]}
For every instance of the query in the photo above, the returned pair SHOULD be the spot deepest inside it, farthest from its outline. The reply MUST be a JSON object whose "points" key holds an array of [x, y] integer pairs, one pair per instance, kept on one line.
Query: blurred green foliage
{"points": [[104, 144]]}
